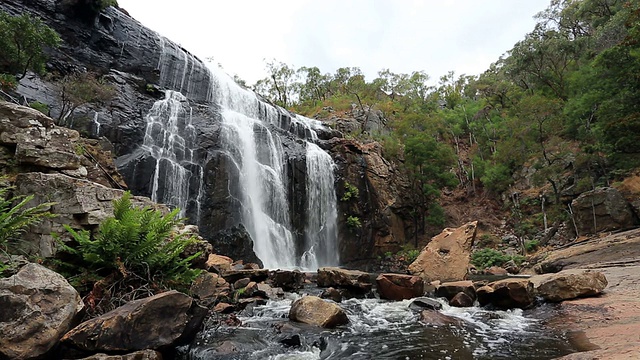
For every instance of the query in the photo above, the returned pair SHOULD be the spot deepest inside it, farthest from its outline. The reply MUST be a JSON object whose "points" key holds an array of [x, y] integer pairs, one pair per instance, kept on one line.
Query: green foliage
{"points": [[43, 108], [23, 40], [408, 254], [8, 82], [497, 178], [350, 192], [487, 257], [531, 245], [134, 242], [79, 89], [354, 222]]}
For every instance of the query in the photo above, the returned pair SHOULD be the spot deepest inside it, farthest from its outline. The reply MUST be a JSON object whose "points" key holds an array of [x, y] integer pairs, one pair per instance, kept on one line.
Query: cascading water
{"points": [[251, 137], [169, 138], [321, 231]]}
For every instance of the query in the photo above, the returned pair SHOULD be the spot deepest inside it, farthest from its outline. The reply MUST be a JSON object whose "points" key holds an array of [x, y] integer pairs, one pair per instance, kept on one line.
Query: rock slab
{"points": [[447, 256], [38, 307], [569, 284], [399, 287], [149, 323]]}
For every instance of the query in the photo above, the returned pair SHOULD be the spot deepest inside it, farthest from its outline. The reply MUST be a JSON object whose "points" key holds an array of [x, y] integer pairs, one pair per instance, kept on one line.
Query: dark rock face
{"points": [[381, 204], [602, 209], [236, 243]]}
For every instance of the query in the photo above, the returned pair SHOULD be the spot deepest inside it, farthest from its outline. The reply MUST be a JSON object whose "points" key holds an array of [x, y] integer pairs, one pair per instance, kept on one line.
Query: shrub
{"points": [[79, 89], [16, 219], [350, 192], [485, 258], [7, 82], [531, 245], [354, 222], [135, 245], [22, 40], [43, 108]]}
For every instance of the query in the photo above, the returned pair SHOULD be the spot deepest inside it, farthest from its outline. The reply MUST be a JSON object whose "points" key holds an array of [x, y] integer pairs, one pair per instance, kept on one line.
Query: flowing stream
{"points": [[382, 330]]}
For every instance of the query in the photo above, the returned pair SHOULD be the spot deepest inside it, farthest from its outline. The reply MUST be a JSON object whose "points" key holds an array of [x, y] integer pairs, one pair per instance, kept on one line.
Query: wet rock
{"points": [[268, 292], [289, 280], [200, 245], [37, 307], [461, 300], [240, 283], [218, 263], [257, 275], [399, 286], [228, 347], [446, 257], [250, 303], [149, 323], [291, 341], [353, 280], [425, 303], [569, 284], [138, 355], [315, 311], [224, 308], [332, 294], [507, 294], [602, 209], [209, 286], [236, 243], [436, 318], [450, 289]]}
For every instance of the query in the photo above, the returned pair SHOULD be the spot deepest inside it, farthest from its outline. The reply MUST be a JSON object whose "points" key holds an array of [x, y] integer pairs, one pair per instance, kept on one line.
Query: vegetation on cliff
{"points": [[559, 109]]}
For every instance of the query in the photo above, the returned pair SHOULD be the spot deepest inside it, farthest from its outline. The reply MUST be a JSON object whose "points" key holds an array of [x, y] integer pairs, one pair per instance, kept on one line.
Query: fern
{"points": [[136, 242]]}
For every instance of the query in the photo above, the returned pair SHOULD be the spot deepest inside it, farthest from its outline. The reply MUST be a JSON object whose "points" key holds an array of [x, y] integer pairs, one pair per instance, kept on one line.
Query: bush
{"points": [[354, 222], [136, 245], [7, 82], [350, 192], [489, 257], [43, 108], [531, 245], [22, 40], [79, 89]]}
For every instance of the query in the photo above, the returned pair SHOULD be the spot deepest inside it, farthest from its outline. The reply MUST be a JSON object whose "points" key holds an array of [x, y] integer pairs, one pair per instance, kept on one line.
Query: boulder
{"points": [[507, 294], [447, 256], [315, 311], [353, 280], [240, 283], [218, 263], [287, 279], [450, 289], [461, 300], [149, 323], [38, 142], [495, 270], [425, 303], [236, 243], [436, 318], [209, 286], [569, 284], [332, 294], [267, 291], [38, 307], [399, 287], [602, 209]]}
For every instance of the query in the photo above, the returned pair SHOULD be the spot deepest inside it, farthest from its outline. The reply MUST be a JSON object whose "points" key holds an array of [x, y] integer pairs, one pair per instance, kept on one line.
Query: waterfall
{"points": [[170, 138], [251, 137], [321, 232]]}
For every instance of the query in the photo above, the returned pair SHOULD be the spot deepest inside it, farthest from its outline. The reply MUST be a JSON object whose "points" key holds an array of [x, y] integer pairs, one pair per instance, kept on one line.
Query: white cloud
{"points": [[435, 36]]}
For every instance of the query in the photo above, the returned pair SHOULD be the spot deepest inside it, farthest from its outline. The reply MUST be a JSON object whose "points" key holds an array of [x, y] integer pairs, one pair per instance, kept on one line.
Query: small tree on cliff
{"points": [[23, 40]]}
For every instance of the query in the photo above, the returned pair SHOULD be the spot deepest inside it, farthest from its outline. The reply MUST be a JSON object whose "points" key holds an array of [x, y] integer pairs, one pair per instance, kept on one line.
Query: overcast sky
{"points": [[436, 36]]}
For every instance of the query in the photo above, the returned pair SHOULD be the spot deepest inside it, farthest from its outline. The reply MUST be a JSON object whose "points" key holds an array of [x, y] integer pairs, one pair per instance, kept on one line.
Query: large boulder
{"points": [[209, 287], [357, 281], [436, 318], [602, 209], [315, 311], [450, 289], [507, 294], [447, 256], [79, 203], [138, 355], [236, 243], [399, 286], [38, 307], [287, 279], [37, 141], [569, 284], [149, 323]]}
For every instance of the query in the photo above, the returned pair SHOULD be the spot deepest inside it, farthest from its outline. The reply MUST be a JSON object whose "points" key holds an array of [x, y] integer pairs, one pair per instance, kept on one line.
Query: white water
{"points": [[169, 138], [251, 136]]}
